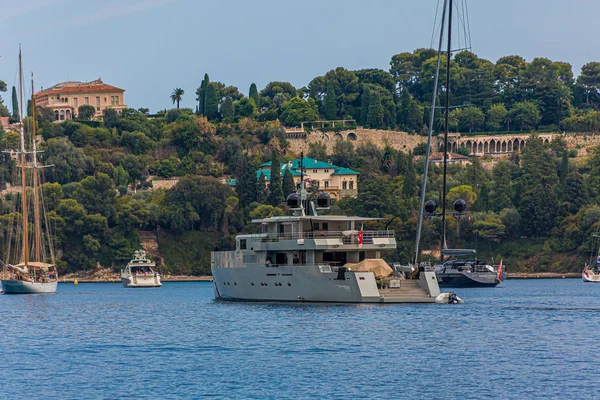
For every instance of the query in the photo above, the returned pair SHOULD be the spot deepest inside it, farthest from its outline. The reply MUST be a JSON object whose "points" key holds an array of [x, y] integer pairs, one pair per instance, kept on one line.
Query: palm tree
{"points": [[176, 95]]}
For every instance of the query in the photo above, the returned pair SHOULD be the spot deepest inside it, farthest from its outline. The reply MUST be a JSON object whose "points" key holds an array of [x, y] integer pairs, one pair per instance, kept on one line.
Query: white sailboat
{"points": [[591, 270], [29, 268]]}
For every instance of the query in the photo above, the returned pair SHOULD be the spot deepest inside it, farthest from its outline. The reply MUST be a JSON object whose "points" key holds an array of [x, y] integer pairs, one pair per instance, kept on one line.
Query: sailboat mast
{"points": [[23, 167], [430, 134], [447, 107], [36, 200]]}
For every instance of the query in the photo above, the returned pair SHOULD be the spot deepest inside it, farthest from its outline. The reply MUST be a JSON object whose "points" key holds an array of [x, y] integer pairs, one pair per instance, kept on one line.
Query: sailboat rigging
{"points": [[24, 274]]}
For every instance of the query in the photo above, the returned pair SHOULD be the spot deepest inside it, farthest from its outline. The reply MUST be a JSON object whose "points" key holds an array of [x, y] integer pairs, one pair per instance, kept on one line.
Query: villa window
{"points": [[117, 100], [97, 101], [62, 115], [344, 185], [351, 184], [86, 100], [326, 171], [314, 171], [242, 244], [326, 184], [75, 101]]}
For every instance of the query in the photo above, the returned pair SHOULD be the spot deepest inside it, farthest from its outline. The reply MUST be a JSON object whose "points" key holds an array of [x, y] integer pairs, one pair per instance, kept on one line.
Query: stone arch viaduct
{"points": [[478, 145]]}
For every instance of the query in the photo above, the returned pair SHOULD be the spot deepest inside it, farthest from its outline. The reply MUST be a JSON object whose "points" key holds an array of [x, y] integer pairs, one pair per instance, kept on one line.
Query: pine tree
{"points": [[414, 118], [409, 187], [330, 106], [253, 94], [364, 106], [288, 183], [211, 103], [227, 110], [275, 188], [375, 114], [15, 105]]}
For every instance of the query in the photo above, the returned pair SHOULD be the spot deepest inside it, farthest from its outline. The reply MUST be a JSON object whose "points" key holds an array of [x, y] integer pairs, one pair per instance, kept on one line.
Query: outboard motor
{"points": [[452, 298], [341, 276]]}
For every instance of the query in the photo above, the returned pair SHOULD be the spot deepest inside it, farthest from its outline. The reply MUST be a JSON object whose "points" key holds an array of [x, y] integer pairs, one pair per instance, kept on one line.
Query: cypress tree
{"points": [[227, 109], [405, 102], [211, 103], [330, 107], [414, 118], [261, 189], [288, 183], [375, 114], [201, 93], [254, 95], [247, 184], [364, 106], [275, 188], [409, 186], [15, 105]]}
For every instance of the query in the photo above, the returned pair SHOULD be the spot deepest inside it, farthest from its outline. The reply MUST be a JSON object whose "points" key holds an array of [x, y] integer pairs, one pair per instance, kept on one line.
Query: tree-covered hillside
{"points": [[536, 210]]}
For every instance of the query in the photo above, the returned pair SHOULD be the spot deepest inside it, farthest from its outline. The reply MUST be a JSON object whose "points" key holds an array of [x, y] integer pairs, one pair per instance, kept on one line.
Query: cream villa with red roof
{"points": [[66, 98]]}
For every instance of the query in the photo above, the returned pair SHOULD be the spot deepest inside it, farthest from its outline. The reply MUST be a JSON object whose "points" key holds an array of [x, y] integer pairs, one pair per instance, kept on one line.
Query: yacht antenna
{"points": [[447, 107], [430, 134]]}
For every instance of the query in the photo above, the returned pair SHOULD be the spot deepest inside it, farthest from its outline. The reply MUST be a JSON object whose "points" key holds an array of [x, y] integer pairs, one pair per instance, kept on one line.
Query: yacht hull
{"points": [[590, 277], [458, 279], [311, 284], [141, 281], [10, 286]]}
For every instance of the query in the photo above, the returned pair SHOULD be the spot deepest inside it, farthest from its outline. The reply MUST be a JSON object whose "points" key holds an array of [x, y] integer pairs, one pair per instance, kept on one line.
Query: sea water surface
{"points": [[524, 339]]}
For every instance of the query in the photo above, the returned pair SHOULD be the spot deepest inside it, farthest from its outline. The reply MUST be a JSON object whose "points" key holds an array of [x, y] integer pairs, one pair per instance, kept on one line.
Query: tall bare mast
{"points": [[23, 167], [36, 200]]}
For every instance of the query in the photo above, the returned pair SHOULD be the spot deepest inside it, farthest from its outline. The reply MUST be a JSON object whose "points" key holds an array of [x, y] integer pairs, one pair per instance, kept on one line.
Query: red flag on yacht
{"points": [[500, 271], [360, 236], [585, 273]]}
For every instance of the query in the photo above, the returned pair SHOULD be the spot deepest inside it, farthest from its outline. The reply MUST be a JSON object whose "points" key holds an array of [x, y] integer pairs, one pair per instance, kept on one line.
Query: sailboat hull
{"points": [[10, 286]]}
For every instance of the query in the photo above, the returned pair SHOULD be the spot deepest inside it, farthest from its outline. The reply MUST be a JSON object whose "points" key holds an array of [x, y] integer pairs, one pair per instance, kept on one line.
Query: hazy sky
{"points": [[149, 47]]}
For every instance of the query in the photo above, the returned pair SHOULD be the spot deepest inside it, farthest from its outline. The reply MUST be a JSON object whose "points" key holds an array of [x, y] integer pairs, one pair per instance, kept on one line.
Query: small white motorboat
{"points": [[139, 272]]}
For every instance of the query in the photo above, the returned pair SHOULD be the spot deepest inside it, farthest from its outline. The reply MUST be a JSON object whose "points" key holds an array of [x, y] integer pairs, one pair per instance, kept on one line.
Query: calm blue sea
{"points": [[526, 339]]}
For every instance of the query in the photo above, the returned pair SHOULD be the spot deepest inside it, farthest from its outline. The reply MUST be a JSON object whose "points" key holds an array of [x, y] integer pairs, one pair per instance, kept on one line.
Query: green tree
{"points": [[364, 106], [254, 94], [245, 108], [330, 106], [15, 105], [261, 189], [317, 151], [177, 95], [288, 183], [211, 103], [298, 110], [86, 112], [525, 115], [227, 110], [247, 184], [471, 118], [275, 188], [495, 117], [409, 186], [375, 114]]}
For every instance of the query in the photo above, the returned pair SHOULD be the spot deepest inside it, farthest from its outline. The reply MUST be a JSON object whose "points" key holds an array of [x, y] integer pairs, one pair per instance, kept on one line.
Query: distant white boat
{"points": [[591, 270], [139, 272]]}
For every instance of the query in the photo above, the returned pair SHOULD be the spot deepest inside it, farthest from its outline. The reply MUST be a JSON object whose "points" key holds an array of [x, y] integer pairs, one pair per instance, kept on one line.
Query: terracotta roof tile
{"points": [[82, 88]]}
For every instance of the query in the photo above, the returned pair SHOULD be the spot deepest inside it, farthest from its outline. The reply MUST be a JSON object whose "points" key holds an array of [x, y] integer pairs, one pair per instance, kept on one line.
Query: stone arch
{"points": [[453, 146], [351, 136], [515, 145], [480, 147], [470, 146], [326, 137], [504, 147], [56, 115], [546, 140], [338, 136], [68, 114], [492, 146], [486, 147], [522, 144], [62, 115]]}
